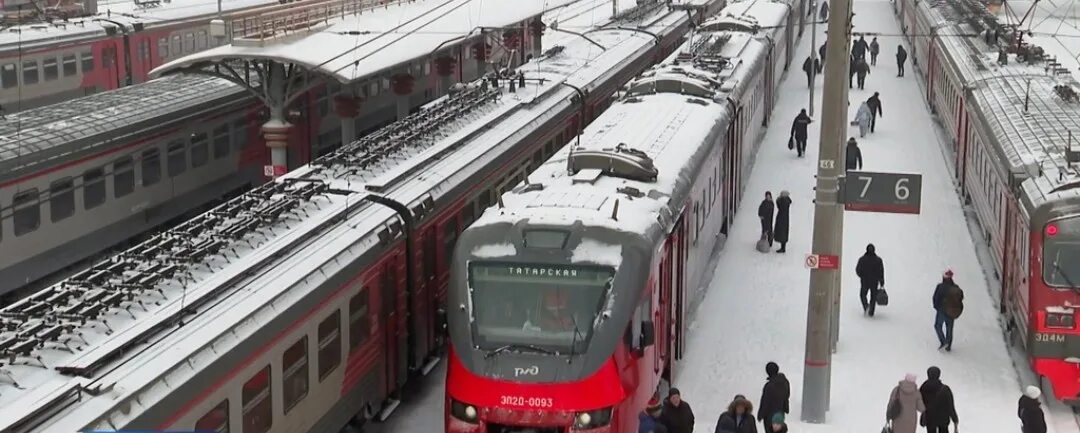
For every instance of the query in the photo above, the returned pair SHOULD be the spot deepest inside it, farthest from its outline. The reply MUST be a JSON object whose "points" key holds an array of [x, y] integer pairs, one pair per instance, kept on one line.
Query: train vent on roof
{"points": [[620, 161]]}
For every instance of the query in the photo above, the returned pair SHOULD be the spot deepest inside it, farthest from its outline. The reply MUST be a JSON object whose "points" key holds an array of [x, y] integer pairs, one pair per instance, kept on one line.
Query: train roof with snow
{"points": [[1031, 105], [634, 162], [76, 340], [84, 126]]}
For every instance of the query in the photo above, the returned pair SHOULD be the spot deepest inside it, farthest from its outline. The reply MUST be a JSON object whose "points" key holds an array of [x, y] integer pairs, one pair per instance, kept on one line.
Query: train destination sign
{"points": [[882, 192], [489, 271]]}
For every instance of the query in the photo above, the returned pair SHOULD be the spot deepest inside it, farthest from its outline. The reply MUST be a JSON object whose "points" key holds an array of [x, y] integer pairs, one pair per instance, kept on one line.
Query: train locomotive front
{"points": [[540, 328]]}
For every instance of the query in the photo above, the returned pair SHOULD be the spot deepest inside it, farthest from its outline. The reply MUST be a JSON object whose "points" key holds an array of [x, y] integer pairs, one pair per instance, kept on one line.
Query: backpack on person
{"points": [[953, 302]]}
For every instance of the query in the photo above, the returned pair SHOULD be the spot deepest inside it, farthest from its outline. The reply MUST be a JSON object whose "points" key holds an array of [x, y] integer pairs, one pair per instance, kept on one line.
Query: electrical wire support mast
{"points": [[828, 216]]}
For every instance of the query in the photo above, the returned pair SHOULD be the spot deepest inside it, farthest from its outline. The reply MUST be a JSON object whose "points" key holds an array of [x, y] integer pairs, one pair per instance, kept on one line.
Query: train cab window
{"points": [[216, 420], [87, 61], [257, 408], [9, 78], [163, 47], [294, 372], [27, 211], [554, 239], [329, 344], [61, 199], [359, 322], [70, 65], [123, 177], [200, 149], [93, 188], [221, 142], [151, 167], [177, 160], [30, 72], [51, 69]]}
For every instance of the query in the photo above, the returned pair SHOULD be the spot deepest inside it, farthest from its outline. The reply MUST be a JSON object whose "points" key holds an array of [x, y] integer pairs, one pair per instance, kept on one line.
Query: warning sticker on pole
{"points": [[822, 261]]}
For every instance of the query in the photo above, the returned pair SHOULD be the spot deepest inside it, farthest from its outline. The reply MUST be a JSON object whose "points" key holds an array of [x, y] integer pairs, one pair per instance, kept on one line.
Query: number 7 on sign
{"points": [[866, 186]]}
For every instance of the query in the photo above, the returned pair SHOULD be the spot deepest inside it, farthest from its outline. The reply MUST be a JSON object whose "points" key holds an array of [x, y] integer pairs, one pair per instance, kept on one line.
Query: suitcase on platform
{"points": [[763, 244]]}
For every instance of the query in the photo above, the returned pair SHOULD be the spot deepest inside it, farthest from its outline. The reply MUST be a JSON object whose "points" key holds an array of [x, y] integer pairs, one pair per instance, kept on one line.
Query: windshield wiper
{"points": [[1064, 276], [573, 344], [508, 347]]}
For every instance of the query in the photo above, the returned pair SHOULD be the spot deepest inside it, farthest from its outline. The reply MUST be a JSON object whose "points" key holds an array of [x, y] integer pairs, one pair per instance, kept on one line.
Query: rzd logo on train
{"points": [[526, 371]]}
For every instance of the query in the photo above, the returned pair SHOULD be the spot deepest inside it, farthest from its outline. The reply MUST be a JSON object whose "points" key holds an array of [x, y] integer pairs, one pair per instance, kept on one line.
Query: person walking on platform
{"points": [[854, 155], [871, 272], [905, 405], [765, 212], [677, 415], [798, 131], [948, 305], [874, 50], [809, 67], [852, 61], [821, 55], [783, 218], [775, 395], [824, 14], [901, 58], [863, 118], [649, 420], [875, 110], [861, 71], [1032, 419], [739, 417], [858, 49], [940, 407]]}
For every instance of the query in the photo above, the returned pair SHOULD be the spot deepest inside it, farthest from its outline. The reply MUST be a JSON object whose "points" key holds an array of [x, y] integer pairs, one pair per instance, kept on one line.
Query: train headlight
{"points": [[1060, 320], [592, 419], [462, 411]]}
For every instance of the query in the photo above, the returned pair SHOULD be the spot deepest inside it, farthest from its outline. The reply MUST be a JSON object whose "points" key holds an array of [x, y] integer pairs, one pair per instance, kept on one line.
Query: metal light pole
{"points": [[828, 215], [813, 54]]}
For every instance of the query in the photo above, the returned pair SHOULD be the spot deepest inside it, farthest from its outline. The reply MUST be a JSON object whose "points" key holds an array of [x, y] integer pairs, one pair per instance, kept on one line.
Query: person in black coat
{"points": [[798, 131], [808, 67], [783, 219], [1032, 419], [852, 69], [821, 53], [858, 49], [901, 58], [765, 212], [861, 71], [875, 109], [854, 155], [940, 407], [739, 417], [871, 272], [677, 415], [775, 395]]}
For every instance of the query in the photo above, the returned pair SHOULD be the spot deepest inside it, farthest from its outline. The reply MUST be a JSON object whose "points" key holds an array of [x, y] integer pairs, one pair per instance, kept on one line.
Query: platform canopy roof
{"points": [[359, 45]]}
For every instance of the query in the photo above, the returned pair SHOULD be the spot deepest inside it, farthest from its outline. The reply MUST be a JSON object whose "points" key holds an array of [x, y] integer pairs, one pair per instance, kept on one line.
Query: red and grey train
{"points": [[1012, 117], [568, 301], [308, 301]]}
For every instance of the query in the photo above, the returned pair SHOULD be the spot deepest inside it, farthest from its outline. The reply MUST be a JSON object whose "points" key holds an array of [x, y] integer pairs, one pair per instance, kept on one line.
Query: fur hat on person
{"points": [[784, 193], [948, 273], [910, 377], [1033, 392]]}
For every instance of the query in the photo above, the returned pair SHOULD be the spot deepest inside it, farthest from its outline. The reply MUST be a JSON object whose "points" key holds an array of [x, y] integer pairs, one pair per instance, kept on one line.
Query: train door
{"points": [[678, 310], [393, 329], [961, 137], [769, 84], [803, 13], [663, 311], [422, 311]]}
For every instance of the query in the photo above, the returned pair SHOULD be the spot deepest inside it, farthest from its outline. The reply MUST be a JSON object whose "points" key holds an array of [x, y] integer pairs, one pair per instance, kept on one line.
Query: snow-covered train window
{"points": [[329, 344], [216, 420], [294, 371], [257, 403]]}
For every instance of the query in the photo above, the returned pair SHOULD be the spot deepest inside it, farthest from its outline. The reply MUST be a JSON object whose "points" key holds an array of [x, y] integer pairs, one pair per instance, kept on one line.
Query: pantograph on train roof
{"points": [[55, 131], [92, 320]]}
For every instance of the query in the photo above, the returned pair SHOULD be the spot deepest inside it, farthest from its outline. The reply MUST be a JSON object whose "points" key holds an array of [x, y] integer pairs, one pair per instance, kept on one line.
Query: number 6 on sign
{"points": [[882, 192], [901, 189]]}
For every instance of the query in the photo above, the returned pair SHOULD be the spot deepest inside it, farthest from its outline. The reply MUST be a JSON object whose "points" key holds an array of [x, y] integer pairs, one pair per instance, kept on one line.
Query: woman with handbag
{"points": [[905, 405]]}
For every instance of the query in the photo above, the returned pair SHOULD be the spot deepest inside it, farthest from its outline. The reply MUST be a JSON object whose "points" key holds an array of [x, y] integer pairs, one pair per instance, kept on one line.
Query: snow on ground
{"points": [[755, 309]]}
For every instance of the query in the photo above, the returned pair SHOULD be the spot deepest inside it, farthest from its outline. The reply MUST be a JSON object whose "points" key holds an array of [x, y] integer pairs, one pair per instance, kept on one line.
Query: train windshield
{"points": [[541, 307], [1061, 253]]}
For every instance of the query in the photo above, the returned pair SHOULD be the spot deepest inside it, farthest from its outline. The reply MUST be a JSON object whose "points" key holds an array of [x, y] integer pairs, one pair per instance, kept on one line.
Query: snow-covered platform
{"points": [[755, 310]]}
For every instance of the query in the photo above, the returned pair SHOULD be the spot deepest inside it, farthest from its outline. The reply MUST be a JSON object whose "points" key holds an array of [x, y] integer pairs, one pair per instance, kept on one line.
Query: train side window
{"points": [[8, 76], [189, 43], [449, 240], [240, 134], [123, 177], [61, 199], [93, 188], [257, 403], [216, 420], [359, 322], [294, 372], [177, 159], [151, 167], [221, 142], [163, 47], [200, 40], [174, 45], [70, 68], [52, 71], [87, 61], [27, 211], [200, 149], [30, 72], [329, 344]]}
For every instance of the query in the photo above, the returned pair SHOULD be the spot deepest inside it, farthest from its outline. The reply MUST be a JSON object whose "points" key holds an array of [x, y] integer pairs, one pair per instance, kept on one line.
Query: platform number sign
{"points": [[882, 192]]}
